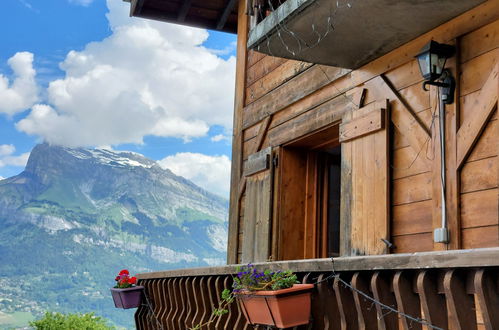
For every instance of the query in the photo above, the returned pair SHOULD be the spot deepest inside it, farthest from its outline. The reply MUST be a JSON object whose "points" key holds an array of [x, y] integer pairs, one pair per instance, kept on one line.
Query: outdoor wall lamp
{"points": [[431, 60]]}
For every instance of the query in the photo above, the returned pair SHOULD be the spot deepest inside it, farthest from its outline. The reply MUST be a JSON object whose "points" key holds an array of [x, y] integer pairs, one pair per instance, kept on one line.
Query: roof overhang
{"points": [[358, 32], [218, 15]]}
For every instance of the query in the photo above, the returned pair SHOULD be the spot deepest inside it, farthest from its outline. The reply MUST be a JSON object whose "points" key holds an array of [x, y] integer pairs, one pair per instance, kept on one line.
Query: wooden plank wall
{"points": [[479, 175], [286, 99]]}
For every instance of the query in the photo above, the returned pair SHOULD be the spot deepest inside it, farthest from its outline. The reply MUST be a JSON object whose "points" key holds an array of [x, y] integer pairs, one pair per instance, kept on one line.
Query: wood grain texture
{"points": [[479, 175], [470, 130], [488, 143], [366, 314], [475, 72], [274, 79], [380, 286], [262, 133], [412, 218], [318, 118], [292, 91], [266, 65], [407, 300], [480, 237], [257, 218], [432, 303], [291, 204], [459, 303], [480, 208], [406, 162], [346, 197], [480, 41], [362, 126], [257, 162], [405, 119], [485, 283], [452, 190], [237, 141], [412, 189], [253, 56], [369, 215], [413, 243], [346, 306]]}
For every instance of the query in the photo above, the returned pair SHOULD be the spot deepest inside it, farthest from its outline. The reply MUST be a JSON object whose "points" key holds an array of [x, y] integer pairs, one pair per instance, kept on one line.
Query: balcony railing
{"points": [[451, 289]]}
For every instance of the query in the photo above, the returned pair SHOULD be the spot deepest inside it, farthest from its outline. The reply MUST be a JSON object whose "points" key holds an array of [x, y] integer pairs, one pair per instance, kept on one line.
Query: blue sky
{"points": [[82, 73]]}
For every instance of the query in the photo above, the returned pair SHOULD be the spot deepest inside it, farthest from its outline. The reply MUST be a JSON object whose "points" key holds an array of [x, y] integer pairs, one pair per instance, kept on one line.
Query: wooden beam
{"points": [[225, 15], [136, 7], [262, 131], [182, 14], [357, 96], [452, 193], [237, 142], [470, 131], [405, 119], [241, 189], [486, 257]]}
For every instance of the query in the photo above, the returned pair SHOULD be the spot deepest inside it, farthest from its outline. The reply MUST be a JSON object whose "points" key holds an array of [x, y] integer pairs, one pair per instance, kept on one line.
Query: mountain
{"points": [[74, 217]]}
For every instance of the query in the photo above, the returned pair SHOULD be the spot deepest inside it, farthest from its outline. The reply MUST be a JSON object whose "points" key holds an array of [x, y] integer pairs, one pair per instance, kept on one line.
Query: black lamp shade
{"points": [[432, 58]]}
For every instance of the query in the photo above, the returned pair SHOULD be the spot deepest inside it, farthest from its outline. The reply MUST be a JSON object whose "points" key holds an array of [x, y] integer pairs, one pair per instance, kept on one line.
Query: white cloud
{"points": [[7, 158], [7, 149], [210, 172], [147, 78], [22, 92], [20, 160], [81, 2], [226, 50], [220, 137]]}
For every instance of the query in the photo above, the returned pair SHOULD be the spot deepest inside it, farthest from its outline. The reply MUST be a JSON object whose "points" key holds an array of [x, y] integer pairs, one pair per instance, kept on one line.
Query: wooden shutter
{"points": [[258, 207], [364, 136]]}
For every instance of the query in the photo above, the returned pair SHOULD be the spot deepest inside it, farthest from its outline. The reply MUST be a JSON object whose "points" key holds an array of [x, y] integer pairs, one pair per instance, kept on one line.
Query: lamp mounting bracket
{"points": [[447, 83]]}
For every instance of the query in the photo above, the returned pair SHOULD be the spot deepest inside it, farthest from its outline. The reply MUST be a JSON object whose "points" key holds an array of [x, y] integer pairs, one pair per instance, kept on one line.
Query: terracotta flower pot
{"points": [[127, 298], [281, 308]]}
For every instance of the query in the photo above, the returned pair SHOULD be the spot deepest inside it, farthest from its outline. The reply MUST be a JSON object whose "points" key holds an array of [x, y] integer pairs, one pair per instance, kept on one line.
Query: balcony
{"points": [[449, 289], [345, 33]]}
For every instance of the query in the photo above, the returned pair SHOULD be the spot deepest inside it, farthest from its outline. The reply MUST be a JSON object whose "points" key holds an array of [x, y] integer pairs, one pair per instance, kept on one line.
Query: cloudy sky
{"points": [[82, 73]]}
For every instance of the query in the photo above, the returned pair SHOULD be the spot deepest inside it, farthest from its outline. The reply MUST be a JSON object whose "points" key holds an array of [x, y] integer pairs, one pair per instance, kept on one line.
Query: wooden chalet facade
{"points": [[343, 162]]}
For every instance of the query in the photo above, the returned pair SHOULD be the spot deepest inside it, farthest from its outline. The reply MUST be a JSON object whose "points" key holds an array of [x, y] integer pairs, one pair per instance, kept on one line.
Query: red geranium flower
{"points": [[124, 280], [124, 272]]}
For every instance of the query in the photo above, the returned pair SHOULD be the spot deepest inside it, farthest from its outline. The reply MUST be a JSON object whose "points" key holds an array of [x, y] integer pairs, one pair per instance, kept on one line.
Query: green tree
{"points": [[59, 321]]}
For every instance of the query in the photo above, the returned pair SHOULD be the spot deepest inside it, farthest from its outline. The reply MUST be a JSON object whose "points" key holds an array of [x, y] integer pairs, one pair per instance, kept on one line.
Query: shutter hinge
{"points": [[275, 161]]}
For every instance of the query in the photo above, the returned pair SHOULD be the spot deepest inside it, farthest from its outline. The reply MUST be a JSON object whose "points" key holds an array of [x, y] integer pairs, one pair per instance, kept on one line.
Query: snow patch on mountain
{"points": [[218, 237], [112, 158]]}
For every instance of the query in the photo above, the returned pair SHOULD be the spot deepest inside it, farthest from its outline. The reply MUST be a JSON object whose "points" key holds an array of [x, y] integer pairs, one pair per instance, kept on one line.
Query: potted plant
{"points": [[126, 294], [272, 298]]}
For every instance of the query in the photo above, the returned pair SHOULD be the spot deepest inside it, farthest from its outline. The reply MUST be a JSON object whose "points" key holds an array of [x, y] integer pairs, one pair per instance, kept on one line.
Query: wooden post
{"points": [[452, 173], [237, 140]]}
